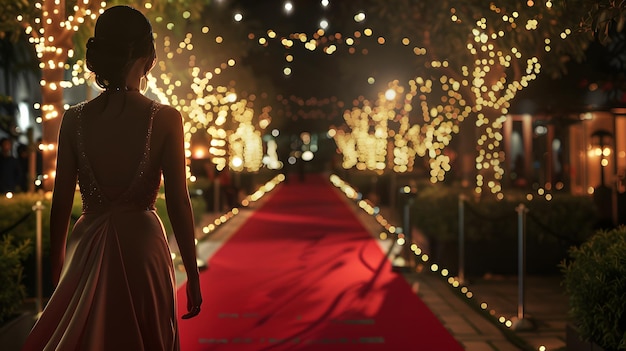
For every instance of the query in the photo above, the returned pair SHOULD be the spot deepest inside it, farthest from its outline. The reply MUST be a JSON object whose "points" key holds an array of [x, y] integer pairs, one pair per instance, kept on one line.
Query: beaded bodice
{"points": [[143, 189]]}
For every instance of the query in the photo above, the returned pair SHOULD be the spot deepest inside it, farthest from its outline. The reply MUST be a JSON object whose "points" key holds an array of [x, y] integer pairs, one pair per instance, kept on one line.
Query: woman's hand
{"points": [[194, 298]]}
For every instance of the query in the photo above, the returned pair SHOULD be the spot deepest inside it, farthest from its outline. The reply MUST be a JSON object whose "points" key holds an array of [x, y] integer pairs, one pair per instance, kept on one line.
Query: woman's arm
{"points": [[178, 203], [63, 195]]}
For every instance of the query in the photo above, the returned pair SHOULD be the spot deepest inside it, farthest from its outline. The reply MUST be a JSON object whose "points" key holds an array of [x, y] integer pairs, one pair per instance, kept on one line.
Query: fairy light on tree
{"points": [[189, 80], [52, 32], [492, 89], [51, 28], [244, 141], [368, 148], [366, 145], [491, 50], [397, 138], [492, 53]]}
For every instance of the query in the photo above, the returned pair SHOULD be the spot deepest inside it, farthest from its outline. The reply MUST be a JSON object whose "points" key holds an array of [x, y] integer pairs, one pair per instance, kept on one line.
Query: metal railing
{"points": [[520, 214], [523, 214]]}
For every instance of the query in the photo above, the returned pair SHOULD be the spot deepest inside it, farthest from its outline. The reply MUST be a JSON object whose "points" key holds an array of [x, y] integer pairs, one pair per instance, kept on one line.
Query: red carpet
{"points": [[302, 273]]}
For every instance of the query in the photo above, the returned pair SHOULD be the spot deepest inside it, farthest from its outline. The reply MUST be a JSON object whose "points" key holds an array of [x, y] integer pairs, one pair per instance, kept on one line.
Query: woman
{"points": [[114, 276]]}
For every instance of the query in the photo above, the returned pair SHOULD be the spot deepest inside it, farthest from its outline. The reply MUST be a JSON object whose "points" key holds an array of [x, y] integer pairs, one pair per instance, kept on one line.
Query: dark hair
{"points": [[122, 35]]}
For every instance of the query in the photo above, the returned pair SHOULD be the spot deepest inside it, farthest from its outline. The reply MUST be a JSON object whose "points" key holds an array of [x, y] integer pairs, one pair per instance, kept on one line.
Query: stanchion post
{"points": [[522, 323], [462, 238], [408, 195], [38, 207], [407, 230]]}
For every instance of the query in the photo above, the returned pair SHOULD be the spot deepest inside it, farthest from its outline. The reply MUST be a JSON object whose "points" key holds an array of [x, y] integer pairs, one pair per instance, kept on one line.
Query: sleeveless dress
{"points": [[117, 286]]}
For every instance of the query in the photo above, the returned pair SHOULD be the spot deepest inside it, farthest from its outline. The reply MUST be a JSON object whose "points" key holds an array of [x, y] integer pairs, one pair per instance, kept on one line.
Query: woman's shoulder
{"points": [[164, 108], [166, 114], [80, 109], [75, 109], [73, 112]]}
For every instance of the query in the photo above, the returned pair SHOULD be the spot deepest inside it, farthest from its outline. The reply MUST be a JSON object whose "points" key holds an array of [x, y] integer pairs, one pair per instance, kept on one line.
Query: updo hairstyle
{"points": [[122, 35]]}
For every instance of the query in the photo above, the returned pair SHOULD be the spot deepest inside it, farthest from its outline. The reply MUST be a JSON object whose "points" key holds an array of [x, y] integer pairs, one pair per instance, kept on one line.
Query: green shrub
{"points": [[566, 217], [12, 290], [19, 209], [491, 228], [595, 280], [18, 216]]}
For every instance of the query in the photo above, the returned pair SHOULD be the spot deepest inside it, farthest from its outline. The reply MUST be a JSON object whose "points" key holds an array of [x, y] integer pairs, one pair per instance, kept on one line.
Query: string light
{"points": [[49, 34], [249, 200], [207, 107], [440, 120], [463, 290], [491, 91], [224, 218]]}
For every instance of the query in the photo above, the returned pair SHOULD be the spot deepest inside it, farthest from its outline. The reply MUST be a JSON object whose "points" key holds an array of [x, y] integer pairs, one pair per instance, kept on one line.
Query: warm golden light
{"points": [[393, 144]]}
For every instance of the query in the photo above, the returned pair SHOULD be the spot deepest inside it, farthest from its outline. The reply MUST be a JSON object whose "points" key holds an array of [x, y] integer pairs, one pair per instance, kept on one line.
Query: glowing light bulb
{"points": [[288, 7]]}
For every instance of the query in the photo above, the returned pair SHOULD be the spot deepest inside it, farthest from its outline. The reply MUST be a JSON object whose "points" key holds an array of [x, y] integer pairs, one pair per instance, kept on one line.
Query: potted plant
{"points": [[595, 280]]}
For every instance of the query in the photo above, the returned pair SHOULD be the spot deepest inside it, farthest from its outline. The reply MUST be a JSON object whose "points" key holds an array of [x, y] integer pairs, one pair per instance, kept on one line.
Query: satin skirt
{"points": [[117, 288]]}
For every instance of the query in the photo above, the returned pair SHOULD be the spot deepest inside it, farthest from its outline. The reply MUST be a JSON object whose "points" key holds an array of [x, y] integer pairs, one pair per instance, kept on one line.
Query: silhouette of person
{"points": [[228, 190], [24, 162], [114, 277], [519, 173], [10, 172]]}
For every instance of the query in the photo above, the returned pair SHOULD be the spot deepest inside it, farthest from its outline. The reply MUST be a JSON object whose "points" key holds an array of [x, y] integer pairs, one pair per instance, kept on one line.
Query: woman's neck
{"points": [[120, 89]]}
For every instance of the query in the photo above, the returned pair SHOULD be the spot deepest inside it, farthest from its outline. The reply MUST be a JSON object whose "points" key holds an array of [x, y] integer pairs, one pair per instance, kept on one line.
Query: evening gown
{"points": [[116, 290]]}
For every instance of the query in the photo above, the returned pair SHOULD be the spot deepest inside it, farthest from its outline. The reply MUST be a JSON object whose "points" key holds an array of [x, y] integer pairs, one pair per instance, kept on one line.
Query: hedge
{"points": [[18, 221]]}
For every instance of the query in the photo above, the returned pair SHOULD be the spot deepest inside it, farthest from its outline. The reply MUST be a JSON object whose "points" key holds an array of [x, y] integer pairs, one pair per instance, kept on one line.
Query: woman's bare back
{"points": [[115, 130]]}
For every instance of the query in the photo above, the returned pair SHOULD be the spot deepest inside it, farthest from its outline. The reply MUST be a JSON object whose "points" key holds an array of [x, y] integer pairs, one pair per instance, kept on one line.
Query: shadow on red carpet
{"points": [[302, 273]]}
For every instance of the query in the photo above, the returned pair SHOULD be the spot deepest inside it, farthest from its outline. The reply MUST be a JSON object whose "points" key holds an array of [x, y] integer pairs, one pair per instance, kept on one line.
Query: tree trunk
{"points": [[58, 41], [53, 104]]}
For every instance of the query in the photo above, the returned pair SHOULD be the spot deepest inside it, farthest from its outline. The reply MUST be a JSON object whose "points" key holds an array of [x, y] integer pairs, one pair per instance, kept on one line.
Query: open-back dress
{"points": [[116, 290]]}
